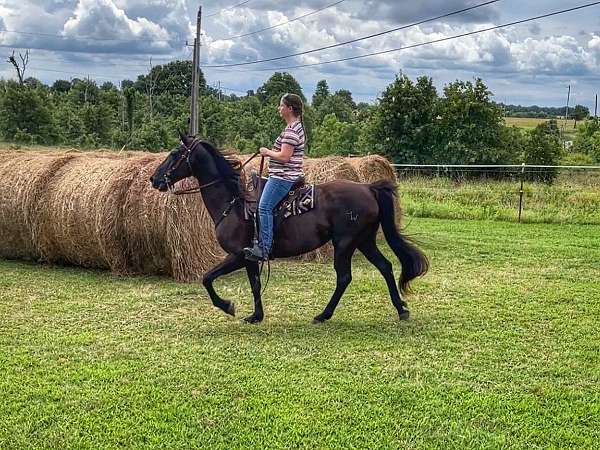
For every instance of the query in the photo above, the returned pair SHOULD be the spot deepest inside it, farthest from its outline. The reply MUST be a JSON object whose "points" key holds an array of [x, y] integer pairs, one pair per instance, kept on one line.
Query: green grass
{"points": [[502, 351], [573, 198]]}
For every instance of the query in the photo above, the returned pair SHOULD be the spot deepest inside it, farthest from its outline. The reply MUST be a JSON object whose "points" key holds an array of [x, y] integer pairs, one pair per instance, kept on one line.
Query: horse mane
{"points": [[228, 167]]}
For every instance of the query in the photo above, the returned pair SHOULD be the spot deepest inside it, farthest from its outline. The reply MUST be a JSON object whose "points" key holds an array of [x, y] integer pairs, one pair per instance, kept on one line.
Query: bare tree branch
{"points": [[20, 67]]}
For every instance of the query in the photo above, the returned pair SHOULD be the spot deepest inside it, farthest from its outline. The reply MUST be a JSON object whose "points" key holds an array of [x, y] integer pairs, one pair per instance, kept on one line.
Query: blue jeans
{"points": [[274, 191]]}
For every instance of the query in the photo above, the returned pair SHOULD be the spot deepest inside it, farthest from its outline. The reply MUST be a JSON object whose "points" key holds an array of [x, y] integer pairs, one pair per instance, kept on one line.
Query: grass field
{"points": [[573, 198], [530, 123], [502, 351]]}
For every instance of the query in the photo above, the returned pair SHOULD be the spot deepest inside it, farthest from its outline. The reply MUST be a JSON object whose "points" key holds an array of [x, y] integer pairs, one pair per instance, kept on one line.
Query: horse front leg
{"points": [[254, 278], [230, 264]]}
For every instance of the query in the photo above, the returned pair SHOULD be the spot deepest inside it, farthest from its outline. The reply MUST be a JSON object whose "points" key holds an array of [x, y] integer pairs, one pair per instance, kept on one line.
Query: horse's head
{"points": [[177, 165]]}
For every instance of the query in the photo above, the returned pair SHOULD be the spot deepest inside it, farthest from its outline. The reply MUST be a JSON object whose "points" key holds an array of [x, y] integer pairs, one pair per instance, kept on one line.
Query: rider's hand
{"points": [[264, 151]]}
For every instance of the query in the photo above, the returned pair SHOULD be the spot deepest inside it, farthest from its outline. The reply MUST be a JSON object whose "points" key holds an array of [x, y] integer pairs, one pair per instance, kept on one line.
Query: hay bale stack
{"points": [[372, 168], [81, 221], [23, 180]]}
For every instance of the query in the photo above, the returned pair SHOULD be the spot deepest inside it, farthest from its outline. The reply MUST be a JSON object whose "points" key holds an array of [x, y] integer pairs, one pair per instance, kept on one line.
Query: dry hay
{"points": [[167, 233], [100, 210], [82, 219], [322, 170], [23, 180], [372, 168]]}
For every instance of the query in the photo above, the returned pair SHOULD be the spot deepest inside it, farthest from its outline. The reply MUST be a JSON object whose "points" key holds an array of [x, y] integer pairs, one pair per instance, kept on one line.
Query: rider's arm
{"points": [[282, 156]]}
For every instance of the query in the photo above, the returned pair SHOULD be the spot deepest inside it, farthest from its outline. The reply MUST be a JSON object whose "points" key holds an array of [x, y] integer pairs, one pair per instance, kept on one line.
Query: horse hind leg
{"points": [[343, 268], [375, 257]]}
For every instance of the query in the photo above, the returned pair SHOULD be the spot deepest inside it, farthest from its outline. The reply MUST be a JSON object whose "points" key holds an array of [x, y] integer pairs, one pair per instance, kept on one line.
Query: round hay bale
{"points": [[372, 168], [82, 221], [191, 235], [23, 179], [145, 223], [166, 233], [321, 170]]}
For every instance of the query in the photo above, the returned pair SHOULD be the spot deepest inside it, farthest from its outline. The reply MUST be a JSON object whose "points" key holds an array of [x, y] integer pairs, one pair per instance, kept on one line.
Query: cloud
{"points": [[112, 28], [405, 12], [558, 55]]}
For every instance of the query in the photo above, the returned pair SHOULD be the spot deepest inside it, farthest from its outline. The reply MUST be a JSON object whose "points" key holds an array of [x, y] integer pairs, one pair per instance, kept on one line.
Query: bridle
{"points": [[186, 155]]}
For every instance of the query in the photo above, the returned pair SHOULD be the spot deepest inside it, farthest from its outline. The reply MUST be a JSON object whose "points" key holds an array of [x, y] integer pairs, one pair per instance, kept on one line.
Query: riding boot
{"points": [[256, 253]]}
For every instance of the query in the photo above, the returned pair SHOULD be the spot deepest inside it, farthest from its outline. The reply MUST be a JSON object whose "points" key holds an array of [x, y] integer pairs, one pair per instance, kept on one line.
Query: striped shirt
{"points": [[293, 135]]}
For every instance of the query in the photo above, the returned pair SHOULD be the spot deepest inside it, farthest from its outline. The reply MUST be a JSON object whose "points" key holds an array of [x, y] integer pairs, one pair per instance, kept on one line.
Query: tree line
{"points": [[411, 122], [578, 112]]}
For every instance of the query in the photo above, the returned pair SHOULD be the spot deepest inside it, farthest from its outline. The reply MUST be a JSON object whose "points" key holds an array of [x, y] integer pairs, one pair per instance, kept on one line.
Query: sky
{"points": [[112, 40]]}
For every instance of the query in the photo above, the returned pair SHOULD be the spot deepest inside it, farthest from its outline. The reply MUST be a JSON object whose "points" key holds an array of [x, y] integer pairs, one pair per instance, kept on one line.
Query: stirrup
{"points": [[256, 253]]}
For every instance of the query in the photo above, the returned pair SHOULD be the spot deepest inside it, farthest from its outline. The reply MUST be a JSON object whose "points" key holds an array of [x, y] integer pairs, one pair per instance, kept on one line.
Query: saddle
{"points": [[299, 200]]}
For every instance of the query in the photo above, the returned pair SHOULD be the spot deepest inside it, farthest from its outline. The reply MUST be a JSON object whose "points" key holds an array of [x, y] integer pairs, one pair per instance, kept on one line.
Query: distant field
{"points": [[530, 123]]}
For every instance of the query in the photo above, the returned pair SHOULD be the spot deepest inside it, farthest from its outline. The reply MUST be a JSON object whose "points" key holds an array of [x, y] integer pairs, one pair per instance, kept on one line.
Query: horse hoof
{"points": [[252, 319], [231, 309], [320, 319], [404, 315]]}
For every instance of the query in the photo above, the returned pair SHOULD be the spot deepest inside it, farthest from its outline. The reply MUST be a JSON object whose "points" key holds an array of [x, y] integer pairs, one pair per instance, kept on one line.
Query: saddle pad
{"points": [[297, 202], [302, 201]]}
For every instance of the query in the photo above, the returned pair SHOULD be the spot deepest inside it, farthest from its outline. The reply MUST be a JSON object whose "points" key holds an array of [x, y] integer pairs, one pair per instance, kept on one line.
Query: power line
{"points": [[421, 44], [86, 38], [306, 52], [113, 77], [282, 23], [228, 8]]}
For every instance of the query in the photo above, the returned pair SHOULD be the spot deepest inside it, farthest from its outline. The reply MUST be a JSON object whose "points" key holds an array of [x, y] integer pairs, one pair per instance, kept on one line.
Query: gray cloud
{"points": [[405, 12]]}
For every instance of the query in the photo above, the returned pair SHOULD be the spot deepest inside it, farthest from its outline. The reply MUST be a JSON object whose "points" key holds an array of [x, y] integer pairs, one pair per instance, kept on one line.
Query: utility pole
{"points": [[193, 128], [566, 118], [596, 108]]}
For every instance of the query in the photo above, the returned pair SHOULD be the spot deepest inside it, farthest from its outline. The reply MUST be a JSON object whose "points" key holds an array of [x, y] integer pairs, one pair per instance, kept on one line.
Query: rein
{"points": [[197, 189]]}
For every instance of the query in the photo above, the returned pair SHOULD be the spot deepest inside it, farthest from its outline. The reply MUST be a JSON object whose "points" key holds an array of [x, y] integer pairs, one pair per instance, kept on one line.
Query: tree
{"points": [[84, 91], [321, 93], [584, 138], [579, 113], [470, 125], [403, 124], [24, 113], [20, 67], [339, 104], [274, 88], [173, 78], [543, 147], [61, 86], [335, 137]]}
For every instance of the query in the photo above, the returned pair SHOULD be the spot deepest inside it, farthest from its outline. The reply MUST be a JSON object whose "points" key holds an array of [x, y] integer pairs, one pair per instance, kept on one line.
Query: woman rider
{"points": [[285, 167]]}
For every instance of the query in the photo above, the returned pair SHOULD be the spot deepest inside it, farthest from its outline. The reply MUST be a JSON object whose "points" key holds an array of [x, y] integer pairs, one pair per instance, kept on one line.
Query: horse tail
{"points": [[413, 261]]}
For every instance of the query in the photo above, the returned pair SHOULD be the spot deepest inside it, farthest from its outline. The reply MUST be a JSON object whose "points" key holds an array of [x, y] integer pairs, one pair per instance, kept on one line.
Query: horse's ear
{"points": [[182, 137]]}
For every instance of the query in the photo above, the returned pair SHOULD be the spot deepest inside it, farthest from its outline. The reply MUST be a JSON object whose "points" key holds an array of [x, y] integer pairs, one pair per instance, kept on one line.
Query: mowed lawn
{"points": [[502, 351]]}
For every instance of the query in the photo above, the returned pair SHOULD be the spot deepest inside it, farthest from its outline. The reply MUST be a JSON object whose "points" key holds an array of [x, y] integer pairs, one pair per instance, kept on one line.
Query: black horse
{"points": [[347, 213]]}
